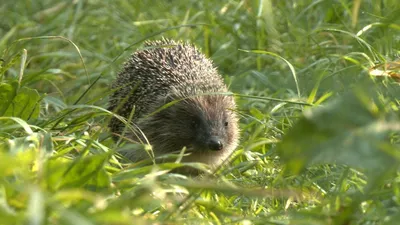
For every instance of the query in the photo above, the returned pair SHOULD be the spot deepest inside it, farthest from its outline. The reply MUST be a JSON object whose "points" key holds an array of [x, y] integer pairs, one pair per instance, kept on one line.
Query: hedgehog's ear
{"points": [[169, 98], [164, 103], [168, 101]]}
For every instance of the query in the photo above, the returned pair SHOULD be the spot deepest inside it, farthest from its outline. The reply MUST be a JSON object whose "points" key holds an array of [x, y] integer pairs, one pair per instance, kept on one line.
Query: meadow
{"points": [[316, 83]]}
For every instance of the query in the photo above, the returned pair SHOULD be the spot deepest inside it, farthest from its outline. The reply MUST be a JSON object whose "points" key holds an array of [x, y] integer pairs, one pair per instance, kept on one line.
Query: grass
{"points": [[319, 135]]}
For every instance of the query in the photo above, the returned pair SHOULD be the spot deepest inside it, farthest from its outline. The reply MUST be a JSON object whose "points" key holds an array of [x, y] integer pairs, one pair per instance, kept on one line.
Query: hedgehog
{"points": [[178, 100]]}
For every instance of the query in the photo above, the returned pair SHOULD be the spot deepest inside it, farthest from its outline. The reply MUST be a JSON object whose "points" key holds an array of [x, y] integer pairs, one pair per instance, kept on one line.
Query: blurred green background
{"points": [[314, 82]]}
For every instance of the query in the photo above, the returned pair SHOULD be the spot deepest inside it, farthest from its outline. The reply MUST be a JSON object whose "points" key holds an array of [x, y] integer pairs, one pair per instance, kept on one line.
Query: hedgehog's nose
{"points": [[215, 144]]}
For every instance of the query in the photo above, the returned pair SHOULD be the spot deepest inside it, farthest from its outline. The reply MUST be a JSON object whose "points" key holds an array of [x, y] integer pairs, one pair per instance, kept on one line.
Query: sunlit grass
{"points": [[319, 135]]}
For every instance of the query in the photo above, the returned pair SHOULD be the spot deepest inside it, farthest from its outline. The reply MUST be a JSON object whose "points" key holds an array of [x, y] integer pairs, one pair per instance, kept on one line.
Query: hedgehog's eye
{"points": [[194, 123], [226, 123]]}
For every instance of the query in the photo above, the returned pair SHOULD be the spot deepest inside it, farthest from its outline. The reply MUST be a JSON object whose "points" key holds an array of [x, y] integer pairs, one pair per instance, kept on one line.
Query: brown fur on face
{"points": [[191, 123]]}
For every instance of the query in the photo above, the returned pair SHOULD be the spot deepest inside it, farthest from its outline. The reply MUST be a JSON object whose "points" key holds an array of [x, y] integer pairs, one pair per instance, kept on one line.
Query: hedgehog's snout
{"points": [[215, 143]]}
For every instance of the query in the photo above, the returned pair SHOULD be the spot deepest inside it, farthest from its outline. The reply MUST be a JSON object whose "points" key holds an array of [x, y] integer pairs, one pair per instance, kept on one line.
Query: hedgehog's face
{"points": [[206, 125], [213, 124]]}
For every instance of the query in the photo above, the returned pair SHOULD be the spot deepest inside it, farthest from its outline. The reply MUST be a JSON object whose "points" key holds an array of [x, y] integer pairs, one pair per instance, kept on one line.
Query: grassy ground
{"points": [[319, 135]]}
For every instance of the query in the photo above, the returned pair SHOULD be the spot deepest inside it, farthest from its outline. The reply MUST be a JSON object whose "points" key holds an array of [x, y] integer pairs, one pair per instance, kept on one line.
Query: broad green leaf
{"points": [[24, 105], [353, 131], [7, 94], [100, 181], [87, 171]]}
